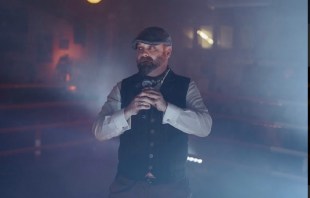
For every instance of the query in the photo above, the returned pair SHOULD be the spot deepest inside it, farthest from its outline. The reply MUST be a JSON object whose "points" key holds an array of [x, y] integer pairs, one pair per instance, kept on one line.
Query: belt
{"points": [[152, 179]]}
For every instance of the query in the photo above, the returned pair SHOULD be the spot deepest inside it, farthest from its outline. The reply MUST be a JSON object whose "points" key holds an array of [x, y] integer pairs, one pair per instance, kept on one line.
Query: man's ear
{"points": [[168, 51]]}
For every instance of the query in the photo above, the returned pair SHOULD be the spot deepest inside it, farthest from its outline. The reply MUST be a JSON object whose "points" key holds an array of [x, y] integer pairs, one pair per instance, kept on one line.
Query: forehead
{"points": [[146, 45]]}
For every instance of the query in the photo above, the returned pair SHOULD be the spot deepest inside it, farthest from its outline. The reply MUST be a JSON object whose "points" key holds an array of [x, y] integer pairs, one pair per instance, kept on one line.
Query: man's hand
{"points": [[156, 99], [138, 103], [147, 98]]}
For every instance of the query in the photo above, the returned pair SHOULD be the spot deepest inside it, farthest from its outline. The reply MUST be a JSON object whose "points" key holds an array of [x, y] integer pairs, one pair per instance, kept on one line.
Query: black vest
{"points": [[150, 146]]}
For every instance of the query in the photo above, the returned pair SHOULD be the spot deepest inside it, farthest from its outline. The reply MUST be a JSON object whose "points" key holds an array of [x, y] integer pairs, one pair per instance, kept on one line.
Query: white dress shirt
{"points": [[194, 119]]}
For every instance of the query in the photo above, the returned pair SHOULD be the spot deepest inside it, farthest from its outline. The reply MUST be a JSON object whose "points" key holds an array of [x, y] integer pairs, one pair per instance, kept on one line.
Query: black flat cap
{"points": [[153, 36]]}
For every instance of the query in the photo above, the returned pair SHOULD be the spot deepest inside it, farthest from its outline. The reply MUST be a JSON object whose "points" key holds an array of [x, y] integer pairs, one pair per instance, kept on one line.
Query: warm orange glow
{"points": [[72, 88], [68, 77], [93, 1]]}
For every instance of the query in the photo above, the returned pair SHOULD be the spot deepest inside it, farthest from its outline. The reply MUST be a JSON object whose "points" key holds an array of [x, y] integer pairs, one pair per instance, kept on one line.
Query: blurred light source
{"points": [[205, 37], [93, 1], [193, 159], [68, 77], [72, 88]]}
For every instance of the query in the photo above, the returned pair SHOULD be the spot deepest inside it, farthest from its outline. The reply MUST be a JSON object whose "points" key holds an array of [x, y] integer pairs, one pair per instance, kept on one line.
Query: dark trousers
{"points": [[126, 188]]}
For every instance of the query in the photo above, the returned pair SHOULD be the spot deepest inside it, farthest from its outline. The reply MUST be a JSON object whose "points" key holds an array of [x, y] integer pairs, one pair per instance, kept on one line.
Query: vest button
{"points": [[152, 120], [152, 131], [151, 156], [151, 144], [150, 167]]}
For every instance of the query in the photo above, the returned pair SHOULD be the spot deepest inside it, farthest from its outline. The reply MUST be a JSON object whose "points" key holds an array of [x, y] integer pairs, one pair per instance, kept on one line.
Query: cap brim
{"points": [[135, 42]]}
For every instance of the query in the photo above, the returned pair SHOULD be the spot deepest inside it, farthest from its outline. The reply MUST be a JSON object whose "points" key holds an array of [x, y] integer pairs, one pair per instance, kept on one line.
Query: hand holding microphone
{"points": [[145, 100], [151, 90], [156, 98]]}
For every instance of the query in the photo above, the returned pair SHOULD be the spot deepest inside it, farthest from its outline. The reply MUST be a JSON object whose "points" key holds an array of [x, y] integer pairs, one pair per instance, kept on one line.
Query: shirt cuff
{"points": [[120, 120], [171, 114]]}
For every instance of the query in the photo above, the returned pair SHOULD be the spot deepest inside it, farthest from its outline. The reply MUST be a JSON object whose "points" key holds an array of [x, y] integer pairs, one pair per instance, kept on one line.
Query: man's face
{"points": [[152, 57]]}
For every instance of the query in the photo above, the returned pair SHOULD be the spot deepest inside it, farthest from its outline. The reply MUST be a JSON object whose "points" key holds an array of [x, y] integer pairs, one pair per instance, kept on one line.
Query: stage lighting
{"points": [[193, 159], [93, 1]]}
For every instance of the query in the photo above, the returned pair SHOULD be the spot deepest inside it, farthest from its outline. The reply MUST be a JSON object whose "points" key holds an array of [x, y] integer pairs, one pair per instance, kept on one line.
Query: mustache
{"points": [[145, 59]]}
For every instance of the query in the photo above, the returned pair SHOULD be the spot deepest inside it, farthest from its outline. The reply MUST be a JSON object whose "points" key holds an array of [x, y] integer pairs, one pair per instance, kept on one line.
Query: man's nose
{"points": [[144, 53]]}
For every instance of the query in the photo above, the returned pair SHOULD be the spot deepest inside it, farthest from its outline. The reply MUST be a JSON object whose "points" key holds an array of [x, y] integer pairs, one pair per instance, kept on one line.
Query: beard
{"points": [[146, 65]]}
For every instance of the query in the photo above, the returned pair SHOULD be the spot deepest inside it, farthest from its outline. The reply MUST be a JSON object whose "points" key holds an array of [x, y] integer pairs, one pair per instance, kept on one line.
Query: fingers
{"points": [[151, 93], [134, 107], [145, 100], [141, 104], [154, 98]]}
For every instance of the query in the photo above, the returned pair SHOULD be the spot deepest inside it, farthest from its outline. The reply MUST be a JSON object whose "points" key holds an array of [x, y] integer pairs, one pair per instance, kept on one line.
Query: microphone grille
{"points": [[147, 83]]}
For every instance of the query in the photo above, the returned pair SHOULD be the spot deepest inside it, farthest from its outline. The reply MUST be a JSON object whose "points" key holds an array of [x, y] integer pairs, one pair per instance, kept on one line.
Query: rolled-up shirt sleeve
{"points": [[194, 119], [111, 121]]}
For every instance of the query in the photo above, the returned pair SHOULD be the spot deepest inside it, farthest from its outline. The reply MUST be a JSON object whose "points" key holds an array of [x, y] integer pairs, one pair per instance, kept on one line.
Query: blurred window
{"points": [[246, 40], [205, 37], [188, 37], [225, 37]]}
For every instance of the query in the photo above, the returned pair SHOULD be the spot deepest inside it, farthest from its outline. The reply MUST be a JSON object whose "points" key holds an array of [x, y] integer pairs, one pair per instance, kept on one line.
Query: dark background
{"points": [[253, 79]]}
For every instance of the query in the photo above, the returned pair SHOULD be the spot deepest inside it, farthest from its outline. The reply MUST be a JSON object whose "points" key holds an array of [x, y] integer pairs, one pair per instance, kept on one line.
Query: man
{"points": [[152, 112]]}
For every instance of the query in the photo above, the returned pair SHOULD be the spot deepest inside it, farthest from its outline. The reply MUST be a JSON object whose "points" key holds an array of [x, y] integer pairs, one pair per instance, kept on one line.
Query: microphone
{"points": [[147, 83], [156, 85]]}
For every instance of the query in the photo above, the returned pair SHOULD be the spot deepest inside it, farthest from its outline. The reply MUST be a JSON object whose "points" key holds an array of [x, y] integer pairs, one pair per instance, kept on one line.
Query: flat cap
{"points": [[153, 36]]}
